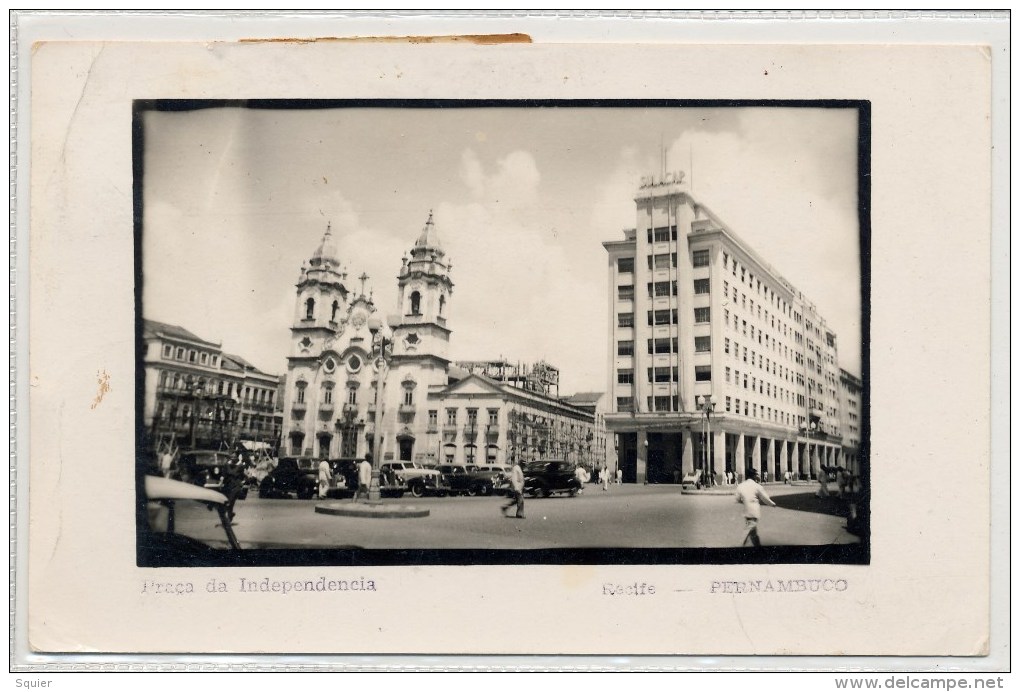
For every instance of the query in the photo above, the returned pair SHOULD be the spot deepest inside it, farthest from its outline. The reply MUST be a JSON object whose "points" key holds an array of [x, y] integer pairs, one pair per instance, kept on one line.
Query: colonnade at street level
{"points": [[647, 456]]}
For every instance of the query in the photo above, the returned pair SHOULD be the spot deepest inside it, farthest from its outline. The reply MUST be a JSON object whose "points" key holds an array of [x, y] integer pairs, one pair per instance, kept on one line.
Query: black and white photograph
{"points": [[554, 332], [384, 344]]}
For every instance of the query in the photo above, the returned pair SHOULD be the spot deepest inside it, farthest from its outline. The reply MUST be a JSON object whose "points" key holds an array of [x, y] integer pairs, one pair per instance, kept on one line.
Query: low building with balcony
{"points": [[198, 396]]}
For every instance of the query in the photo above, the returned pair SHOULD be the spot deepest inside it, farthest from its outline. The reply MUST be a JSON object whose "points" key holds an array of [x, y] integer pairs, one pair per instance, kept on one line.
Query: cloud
{"points": [[513, 185], [517, 293]]}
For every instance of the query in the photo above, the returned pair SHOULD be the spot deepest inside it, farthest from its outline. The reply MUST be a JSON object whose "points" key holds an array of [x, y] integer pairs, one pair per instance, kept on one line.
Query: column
{"points": [[719, 454], [783, 460], [813, 460], [802, 468], [756, 455], [739, 465], [770, 458], [642, 457], [687, 455]]}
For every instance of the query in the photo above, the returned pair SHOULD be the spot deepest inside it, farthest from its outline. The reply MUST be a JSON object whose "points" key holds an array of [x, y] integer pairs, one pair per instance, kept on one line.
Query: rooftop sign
{"points": [[673, 178]]}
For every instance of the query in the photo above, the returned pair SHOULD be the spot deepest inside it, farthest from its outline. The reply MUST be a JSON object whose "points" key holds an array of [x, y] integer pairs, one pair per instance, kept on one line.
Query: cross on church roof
{"points": [[364, 278]]}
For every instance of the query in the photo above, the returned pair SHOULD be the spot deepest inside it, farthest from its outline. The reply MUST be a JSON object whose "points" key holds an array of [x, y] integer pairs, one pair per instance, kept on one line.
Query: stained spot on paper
{"points": [[103, 380], [476, 39]]}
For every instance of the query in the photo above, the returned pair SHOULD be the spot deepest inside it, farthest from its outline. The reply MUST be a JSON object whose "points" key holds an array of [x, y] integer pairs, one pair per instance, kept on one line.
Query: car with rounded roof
{"points": [[297, 476], [462, 479], [545, 477], [415, 478]]}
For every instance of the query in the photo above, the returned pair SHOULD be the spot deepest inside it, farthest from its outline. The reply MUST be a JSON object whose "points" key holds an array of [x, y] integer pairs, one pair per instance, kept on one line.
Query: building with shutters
{"points": [[716, 362], [197, 396]]}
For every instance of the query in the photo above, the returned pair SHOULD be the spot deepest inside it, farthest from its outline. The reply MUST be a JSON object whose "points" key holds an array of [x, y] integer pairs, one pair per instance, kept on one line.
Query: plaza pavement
{"points": [[627, 516]]}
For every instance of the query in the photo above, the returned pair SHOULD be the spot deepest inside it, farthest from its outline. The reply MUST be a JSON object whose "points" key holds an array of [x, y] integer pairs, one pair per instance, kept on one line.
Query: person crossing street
{"points": [[517, 490], [751, 495]]}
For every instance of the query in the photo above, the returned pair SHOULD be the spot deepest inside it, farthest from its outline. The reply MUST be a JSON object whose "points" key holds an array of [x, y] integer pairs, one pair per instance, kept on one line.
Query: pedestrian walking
{"points": [[823, 483], [604, 477], [233, 486], [325, 476], [516, 490], [364, 479], [751, 495], [580, 475], [840, 482], [619, 476]]}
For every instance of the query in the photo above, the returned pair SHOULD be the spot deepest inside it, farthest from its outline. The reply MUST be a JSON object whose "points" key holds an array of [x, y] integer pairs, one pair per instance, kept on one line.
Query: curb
{"points": [[371, 511]]}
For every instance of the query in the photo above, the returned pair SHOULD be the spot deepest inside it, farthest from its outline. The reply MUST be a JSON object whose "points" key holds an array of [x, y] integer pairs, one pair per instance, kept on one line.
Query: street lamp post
{"points": [[706, 405], [382, 366]]}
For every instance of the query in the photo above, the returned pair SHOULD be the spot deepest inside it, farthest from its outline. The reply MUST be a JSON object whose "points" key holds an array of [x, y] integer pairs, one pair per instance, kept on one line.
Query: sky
{"points": [[235, 199]]}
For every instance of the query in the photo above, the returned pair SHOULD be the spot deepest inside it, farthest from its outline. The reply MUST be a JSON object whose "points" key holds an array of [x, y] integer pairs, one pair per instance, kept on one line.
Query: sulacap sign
{"points": [[674, 178]]}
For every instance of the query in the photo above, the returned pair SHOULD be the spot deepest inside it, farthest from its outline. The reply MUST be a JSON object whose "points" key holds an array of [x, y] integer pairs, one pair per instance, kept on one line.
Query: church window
{"points": [[332, 316], [442, 304], [408, 396], [301, 392], [310, 309], [168, 350], [180, 353], [327, 393], [415, 303], [352, 394]]}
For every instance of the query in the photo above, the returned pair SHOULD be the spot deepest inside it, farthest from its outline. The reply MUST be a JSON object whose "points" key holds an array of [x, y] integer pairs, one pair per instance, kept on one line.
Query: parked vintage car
{"points": [[415, 478], [345, 479], [293, 475], [213, 469], [461, 479], [547, 476]]}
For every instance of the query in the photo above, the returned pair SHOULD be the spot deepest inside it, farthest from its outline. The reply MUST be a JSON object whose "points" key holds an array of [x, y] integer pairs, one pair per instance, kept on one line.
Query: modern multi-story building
{"points": [[850, 418], [717, 363], [198, 396], [428, 409]]}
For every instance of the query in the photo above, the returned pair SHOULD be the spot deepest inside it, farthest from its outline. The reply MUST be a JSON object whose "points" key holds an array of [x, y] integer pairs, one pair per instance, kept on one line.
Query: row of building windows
{"points": [[170, 352], [186, 383], [472, 417], [662, 234], [326, 392], [757, 359], [665, 344], [754, 410], [763, 338], [748, 279]]}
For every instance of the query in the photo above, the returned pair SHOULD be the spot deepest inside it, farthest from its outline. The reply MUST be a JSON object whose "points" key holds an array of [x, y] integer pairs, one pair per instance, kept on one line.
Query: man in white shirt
{"points": [[516, 490], [325, 476], [751, 495], [364, 479]]}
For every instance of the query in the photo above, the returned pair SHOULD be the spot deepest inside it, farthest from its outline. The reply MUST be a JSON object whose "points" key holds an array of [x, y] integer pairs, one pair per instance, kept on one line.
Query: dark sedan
{"points": [[548, 476], [461, 480]]}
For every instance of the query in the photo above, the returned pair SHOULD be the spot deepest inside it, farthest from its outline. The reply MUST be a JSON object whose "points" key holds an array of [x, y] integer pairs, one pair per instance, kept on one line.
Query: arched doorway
{"points": [[325, 439], [405, 444]]}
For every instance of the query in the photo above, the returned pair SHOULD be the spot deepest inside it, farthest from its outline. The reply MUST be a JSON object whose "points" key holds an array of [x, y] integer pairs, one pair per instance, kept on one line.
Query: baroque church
{"points": [[331, 397], [429, 410]]}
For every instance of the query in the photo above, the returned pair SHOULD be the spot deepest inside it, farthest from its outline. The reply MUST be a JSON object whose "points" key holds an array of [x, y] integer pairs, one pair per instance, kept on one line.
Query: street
{"points": [[627, 516]]}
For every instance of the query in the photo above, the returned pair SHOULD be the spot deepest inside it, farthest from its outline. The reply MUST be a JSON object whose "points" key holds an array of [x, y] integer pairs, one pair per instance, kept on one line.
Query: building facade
{"points": [[198, 396], [850, 418], [343, 399], [717, 363]]}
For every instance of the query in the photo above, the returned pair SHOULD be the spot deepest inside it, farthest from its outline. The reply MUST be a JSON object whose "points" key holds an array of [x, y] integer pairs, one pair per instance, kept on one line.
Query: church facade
{"points": [[342, 398]]}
